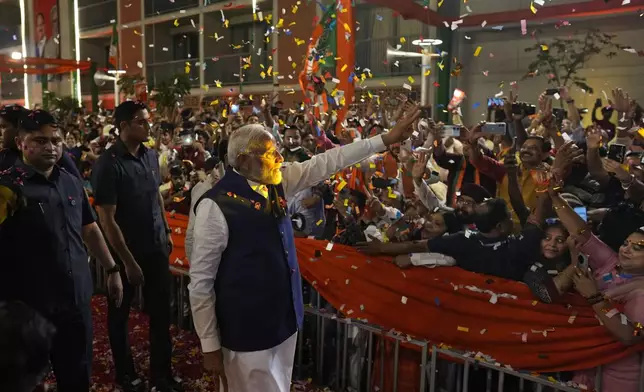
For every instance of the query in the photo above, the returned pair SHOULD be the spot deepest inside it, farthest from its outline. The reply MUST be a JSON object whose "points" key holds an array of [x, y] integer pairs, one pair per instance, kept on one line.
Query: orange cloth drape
{"points": [[179, 224], [439, 307]]}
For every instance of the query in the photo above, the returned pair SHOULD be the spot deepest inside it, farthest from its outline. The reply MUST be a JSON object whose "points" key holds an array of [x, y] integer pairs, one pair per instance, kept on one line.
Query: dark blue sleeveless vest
{"points": [[258, 285]]}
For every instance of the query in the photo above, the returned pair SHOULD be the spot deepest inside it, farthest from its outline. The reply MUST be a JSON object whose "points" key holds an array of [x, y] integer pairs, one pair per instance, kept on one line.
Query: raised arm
{"points": [[418, 165], [593, 159], [376, 247], [569, 218], [573, 113], [514, 189], [298, 176], [486, 165]]}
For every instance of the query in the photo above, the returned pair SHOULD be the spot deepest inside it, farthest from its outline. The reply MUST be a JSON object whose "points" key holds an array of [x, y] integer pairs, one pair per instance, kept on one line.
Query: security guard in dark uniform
{"points": [[126, 180], [46, 221], [9, 152]]}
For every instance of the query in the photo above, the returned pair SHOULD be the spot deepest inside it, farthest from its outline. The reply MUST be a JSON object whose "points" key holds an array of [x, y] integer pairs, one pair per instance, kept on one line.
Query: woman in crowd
{"points": [[386, 211], [613, 284]]}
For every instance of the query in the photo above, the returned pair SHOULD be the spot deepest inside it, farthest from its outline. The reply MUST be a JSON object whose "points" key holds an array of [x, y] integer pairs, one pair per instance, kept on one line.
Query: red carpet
{"points": [[186, 359]]}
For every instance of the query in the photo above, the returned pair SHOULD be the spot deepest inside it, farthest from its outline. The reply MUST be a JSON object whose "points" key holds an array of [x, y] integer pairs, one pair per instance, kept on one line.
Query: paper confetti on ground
{"points": [[186, 355]]}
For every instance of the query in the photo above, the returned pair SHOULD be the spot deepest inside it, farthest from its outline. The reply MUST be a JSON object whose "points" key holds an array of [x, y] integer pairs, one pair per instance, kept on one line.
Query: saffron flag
{"points": [[114, 47]]}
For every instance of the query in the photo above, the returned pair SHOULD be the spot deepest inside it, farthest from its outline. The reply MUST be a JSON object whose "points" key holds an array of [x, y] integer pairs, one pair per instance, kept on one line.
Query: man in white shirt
{"points": [[244, 257], [212, 176]]}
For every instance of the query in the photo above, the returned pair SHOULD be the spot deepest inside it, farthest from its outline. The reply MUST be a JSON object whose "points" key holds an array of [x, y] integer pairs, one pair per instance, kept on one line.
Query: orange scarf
{"points": [[461, 177]]}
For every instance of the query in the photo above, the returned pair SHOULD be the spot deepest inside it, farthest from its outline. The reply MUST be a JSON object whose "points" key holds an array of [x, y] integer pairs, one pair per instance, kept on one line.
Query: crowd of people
{"points": [[531, 197]]}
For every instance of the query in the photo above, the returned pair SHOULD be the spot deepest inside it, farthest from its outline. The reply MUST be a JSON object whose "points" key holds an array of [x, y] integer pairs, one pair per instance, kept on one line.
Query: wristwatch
{"points": [[114, 269]]}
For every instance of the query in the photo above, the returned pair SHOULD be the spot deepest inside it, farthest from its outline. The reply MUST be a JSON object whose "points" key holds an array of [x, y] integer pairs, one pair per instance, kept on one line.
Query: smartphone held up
{"points": [[617, 152], [494, 128], [452, 130]]}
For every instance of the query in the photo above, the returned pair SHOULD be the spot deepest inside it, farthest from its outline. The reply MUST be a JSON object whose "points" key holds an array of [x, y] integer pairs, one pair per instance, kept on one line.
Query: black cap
{"points": [[32, 121], [12, 114]]}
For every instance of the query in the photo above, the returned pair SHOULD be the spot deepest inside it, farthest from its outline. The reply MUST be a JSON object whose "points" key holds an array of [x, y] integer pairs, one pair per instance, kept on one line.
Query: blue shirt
{"points": [[44, 260]]}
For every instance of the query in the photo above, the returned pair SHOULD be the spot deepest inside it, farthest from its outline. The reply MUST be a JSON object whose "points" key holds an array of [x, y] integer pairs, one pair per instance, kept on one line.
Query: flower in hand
{"points": [[545, 108], [542, 178], [584, 283]]}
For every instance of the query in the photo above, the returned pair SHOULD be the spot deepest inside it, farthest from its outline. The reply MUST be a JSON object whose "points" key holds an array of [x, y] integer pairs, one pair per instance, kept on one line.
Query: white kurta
{"points": [[266, 370]]}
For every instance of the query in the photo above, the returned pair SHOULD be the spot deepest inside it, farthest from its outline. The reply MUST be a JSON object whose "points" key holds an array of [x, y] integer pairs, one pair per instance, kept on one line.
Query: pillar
{"points": [[445, 34]]}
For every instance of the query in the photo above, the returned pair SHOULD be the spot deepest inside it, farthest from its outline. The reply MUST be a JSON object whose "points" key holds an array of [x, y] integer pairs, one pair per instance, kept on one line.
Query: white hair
{"points": [[242, 138]]}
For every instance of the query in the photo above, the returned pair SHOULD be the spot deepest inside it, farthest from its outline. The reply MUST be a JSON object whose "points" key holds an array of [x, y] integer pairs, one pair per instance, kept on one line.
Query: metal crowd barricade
{"points": [[181, 277], [459, 365]]}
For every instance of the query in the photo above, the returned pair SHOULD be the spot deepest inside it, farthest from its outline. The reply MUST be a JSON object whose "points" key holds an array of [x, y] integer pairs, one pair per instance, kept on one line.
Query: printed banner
{"points": [[47, 26]]}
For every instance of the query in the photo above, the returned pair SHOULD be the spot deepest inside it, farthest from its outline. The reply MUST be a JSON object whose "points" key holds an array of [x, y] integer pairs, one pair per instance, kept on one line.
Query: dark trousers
{"points": [[156, 295], [71, 354]]}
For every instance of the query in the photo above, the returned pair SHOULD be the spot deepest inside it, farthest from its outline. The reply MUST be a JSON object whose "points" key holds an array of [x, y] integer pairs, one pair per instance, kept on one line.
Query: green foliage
{"points": [[61, 107], [168, 93], [561, 59], [127, 84]]}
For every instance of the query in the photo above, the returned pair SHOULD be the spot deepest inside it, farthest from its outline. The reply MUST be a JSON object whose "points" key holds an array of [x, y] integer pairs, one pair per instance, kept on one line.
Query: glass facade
{"points": [[11, 84], [93, 14], [231, 55], [159, 7], [173, 45], [97, 50]]}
